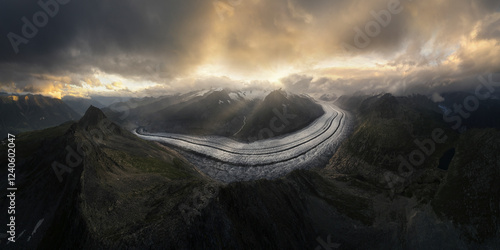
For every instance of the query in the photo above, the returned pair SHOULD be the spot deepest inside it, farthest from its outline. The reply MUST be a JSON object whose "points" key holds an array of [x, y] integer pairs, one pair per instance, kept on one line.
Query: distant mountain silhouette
{"points": [[227, 113], [80, 105], [20, 113]]}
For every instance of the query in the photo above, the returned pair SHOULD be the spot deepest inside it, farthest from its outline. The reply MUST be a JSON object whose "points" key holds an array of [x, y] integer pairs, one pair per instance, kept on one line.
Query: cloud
{"points": [[437, 97], [424, 47], [116, 37], [114, 85]]}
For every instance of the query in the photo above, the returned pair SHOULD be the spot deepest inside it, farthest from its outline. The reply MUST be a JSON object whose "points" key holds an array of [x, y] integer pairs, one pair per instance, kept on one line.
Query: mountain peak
{"points": [[278, 92], [276, 98], [92, 116]]}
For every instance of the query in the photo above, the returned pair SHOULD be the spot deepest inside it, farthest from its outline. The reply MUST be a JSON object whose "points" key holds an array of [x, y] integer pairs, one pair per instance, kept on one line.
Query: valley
{"points": [[249, 125], [268, 158], [324, 184]]}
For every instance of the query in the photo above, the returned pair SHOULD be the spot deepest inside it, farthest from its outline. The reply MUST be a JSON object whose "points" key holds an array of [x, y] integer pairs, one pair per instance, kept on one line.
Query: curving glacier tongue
{"points": [[228, 160]]}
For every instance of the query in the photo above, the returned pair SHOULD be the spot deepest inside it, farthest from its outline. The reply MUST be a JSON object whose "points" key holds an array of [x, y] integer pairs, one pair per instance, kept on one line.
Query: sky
{"points": [[157, 47]]}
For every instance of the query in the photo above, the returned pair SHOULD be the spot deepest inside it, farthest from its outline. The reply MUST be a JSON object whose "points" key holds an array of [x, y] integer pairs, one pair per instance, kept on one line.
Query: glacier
{"points": [[228, 160]]}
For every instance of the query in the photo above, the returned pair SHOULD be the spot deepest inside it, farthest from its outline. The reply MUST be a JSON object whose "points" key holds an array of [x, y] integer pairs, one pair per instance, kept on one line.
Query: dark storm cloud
{"points": [[491, 29], [424, 43], [115, 36]]}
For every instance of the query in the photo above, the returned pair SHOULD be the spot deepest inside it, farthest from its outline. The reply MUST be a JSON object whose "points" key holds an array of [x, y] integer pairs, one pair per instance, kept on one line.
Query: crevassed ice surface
{"points": [[228, 160]]}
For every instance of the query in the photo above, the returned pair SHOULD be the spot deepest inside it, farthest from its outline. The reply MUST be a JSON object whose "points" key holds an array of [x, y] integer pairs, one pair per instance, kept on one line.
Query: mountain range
{"points": [[93, 184], [240, 115], [21, 113], [80, 105]]}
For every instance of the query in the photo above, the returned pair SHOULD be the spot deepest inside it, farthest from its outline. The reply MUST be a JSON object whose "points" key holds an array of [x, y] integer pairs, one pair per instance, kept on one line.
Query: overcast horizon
{"points": [[144, 48]]}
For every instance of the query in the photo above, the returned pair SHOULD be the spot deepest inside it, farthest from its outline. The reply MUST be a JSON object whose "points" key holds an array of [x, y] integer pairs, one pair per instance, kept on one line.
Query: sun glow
{"points": [[271, 75]]}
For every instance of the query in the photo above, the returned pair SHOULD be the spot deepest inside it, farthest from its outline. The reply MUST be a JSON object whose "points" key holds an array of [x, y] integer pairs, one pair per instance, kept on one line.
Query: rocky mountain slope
{"points": [[20, 113], [239, 115], [403, 145], [90, 180], [97, 186], [124, 192]]}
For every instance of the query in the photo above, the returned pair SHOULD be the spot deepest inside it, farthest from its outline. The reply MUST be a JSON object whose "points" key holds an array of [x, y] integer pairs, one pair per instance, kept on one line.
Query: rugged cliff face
{"points": [[395, 136], [403, 146], [91, 180], [470, 192]]}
